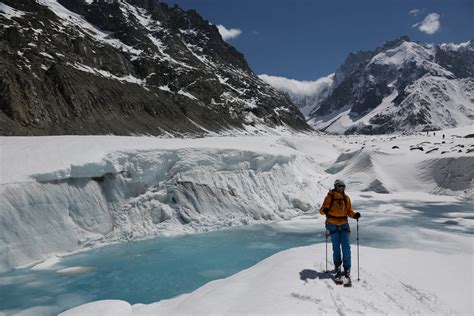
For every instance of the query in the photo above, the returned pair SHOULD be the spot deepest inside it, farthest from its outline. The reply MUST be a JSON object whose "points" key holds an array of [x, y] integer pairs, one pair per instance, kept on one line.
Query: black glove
{"points": [[357, 215], [326, 211]]}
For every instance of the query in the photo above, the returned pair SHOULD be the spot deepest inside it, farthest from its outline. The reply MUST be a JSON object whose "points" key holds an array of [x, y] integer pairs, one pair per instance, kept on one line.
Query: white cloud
{"points": [[414, 12], [295, 87], [430, 24], [228, 34]]}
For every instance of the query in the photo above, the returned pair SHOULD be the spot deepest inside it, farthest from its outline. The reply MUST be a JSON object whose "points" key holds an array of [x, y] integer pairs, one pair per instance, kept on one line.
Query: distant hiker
{"points": [[337, 207], [427, 134], [443, 136]]}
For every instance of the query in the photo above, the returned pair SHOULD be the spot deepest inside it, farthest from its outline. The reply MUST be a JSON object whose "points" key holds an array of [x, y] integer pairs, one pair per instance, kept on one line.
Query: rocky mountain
{"points": [[126, 67], [400, 86]]}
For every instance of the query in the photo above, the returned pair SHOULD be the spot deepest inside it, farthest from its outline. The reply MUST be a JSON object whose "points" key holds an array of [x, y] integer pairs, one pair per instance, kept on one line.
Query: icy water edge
{"points": [[152, 270]]}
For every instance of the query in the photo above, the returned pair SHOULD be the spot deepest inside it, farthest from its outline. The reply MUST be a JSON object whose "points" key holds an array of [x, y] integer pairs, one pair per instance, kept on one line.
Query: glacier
{"points": [[63, 194]]}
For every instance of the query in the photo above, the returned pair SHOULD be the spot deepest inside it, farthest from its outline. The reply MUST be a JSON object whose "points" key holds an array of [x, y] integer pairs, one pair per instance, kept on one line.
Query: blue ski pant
{"points": [[340, 239]]}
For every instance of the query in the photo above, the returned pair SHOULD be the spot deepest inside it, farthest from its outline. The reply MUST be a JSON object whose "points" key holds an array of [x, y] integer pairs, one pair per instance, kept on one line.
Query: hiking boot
{"points": [[347, 279]]}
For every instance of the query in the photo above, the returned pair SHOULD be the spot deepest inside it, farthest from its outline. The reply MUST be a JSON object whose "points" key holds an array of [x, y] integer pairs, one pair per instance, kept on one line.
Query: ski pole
{"points": [[358, 268], [326, 232]]}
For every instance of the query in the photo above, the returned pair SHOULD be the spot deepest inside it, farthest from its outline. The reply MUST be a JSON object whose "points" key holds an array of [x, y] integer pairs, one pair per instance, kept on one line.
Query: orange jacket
{"points": [[340, 209]]}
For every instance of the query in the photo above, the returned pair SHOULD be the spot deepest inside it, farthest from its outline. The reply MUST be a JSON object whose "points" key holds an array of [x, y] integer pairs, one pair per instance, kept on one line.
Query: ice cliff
{"points": [[130, 195]]}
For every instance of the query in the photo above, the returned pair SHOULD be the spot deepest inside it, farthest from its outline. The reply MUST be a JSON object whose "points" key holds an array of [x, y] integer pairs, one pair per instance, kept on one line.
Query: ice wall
{"points": [[139, 194]]}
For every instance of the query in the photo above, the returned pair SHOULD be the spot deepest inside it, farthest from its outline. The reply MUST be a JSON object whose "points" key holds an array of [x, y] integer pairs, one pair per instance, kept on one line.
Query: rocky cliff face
{"points": [[401, 86], [126, 67]]}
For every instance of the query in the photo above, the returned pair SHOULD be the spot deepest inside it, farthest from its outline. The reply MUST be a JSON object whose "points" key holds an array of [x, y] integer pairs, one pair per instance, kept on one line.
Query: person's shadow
{"points": [[313, 274]]}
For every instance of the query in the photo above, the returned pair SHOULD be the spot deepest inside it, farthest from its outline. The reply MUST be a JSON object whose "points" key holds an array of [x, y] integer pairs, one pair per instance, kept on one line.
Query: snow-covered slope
{"points": [[293, 283], [71, 192], [448, 102], [402, 86]]}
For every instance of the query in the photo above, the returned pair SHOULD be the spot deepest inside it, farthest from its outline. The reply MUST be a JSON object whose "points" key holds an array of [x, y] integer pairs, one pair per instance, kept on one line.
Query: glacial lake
{"points": [[151, 270]]}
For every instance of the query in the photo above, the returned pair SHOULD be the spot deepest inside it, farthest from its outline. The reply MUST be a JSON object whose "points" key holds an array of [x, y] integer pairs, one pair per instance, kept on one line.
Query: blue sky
{"points": [[305, 40]]}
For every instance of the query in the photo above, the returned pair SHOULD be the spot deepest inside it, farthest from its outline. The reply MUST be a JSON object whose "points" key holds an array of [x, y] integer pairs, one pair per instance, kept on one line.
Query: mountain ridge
{"points": [[127, 67], [400, 86]]}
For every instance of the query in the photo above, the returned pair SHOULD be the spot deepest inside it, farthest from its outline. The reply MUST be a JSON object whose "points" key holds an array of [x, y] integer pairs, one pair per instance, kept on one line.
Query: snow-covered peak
{"points": [[375, 91], [404, 53]]}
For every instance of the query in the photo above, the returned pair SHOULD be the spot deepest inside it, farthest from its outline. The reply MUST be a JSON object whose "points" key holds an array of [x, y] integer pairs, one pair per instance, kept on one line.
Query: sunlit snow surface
{"points": [[10, 12], [99, 190]]}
